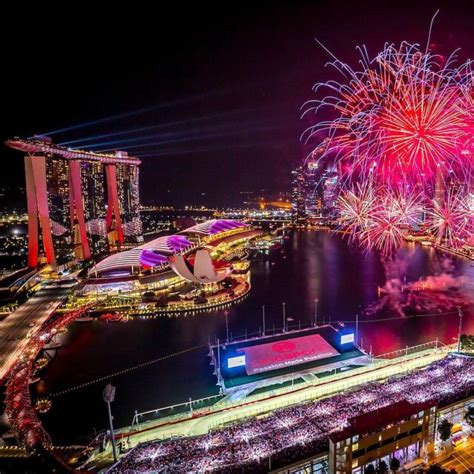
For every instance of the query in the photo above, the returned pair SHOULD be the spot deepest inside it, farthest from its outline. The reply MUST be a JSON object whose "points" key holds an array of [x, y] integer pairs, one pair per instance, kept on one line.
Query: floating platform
{"points": [[284, 358]]}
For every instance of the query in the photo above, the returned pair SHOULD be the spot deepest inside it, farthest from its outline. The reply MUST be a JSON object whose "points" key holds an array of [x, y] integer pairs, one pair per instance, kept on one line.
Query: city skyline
{"points": [[197, 106], [238, 239]]}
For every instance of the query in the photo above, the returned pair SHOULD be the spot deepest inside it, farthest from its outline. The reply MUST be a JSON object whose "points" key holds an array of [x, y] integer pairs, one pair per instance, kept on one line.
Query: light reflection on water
{"points": [[311, 265]]}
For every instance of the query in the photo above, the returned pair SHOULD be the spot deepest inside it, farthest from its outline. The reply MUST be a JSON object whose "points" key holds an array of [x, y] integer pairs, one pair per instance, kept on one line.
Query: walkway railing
{"points": [[436, 344], [140, 423]]}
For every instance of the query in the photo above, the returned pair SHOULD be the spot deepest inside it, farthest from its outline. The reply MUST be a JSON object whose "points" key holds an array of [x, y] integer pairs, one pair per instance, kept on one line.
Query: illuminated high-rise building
{"points": [[84, 203], [298, 196], [128, 195], [57, 179], [330, 191], [92, 180], [311, 198], [314, 193]]}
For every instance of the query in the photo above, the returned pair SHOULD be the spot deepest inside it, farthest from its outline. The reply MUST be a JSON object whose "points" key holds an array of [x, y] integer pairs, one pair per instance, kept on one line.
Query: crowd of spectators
{"points": [[289, 434]]}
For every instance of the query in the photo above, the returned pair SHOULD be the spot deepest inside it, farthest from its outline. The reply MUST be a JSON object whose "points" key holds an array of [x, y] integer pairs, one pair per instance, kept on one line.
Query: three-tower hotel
{"points": [[79, 203]]}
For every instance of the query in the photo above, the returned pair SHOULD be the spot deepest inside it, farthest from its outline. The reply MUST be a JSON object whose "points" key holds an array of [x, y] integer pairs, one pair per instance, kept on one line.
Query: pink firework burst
{"points": [[406, 111], [379, 218], [452, 219]]}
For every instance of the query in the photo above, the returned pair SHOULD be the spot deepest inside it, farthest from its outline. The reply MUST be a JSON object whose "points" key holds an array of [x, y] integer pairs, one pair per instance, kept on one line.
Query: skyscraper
{"points": [[128, 194], [314, 193], [93, 178], [85, 202], [57, 178], [298, 195]]}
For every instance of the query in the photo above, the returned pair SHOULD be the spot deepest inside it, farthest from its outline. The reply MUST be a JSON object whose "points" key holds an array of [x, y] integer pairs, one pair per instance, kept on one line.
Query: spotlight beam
{"points": [[197, 138], [135, 112], [166, 125], [185, 134]]}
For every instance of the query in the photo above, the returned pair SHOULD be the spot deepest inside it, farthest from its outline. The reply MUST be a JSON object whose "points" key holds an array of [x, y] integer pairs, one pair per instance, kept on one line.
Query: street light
{"points": [[109, 396], [263, 320], [460, 329], [226, 326], [316, 312], [284, 316]]}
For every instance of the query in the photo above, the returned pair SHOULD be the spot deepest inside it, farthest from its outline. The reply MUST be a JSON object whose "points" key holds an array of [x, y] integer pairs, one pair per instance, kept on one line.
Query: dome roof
{"points": [[149, 255], [214, 226]]}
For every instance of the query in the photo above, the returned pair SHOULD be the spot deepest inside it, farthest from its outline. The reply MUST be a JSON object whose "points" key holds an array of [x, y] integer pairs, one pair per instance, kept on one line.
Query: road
{"points": [[15, 328], [461, 458]]}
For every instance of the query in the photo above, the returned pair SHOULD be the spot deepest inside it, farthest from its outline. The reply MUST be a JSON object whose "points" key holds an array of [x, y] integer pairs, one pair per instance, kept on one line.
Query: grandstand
{"points": [[288, 435]]}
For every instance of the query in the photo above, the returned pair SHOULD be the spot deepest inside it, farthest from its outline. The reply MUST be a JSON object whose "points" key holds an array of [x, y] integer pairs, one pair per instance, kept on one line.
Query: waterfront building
{"points": [[298, 196], [84, 203], [315, 191]]}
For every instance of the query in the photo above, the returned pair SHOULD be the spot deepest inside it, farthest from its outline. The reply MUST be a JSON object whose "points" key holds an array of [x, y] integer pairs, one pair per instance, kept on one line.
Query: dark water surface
{"points": [[310, 265]]}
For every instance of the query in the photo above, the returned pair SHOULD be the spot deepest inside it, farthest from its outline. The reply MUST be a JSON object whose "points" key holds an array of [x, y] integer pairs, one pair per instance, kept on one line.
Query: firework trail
{"points": [[405, 114], [452, 219], [402, 137]]}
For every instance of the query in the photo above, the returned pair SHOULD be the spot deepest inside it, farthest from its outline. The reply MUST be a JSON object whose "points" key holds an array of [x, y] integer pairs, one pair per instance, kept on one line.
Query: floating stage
{"points": [[245, 366]]}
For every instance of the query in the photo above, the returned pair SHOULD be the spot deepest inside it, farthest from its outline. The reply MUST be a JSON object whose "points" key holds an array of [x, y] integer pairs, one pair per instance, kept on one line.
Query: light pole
{"points": [[218, 362], [460, 329], [109, 395], [357, 328], [284, 316], [316, 312], [226, 326], [263, 320]]}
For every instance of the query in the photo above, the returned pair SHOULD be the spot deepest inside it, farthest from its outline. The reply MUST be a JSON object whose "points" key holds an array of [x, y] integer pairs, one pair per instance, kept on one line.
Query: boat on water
{"points": [[115, 319], [111, 317], [84, 319]]}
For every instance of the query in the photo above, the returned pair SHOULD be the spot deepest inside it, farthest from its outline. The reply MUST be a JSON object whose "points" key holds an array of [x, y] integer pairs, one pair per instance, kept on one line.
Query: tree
{"points": [[437, 469], [382, 467], [467, 343], [444, 429], [394, 464], [370, 469], [469, 416]]}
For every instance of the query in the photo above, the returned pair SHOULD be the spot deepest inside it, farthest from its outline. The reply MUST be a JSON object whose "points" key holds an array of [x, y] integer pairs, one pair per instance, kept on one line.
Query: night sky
{"points": [[221, 86]]}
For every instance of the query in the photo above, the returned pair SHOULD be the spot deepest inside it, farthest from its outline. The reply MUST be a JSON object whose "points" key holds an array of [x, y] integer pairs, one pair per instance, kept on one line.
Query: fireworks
{"points": [[401, 133], [376, 217], [357, 208], [452, 219], [402, 116]]}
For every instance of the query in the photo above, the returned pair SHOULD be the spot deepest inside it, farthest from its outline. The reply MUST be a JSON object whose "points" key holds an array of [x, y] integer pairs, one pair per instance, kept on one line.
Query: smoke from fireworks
{"points": [[441, 292]]}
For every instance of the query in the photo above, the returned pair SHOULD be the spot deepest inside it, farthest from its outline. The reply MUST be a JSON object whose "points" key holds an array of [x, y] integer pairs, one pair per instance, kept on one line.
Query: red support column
{"points": [[76, 185], [32, 209], [78, 204], [36, 171], [113, 208]]}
